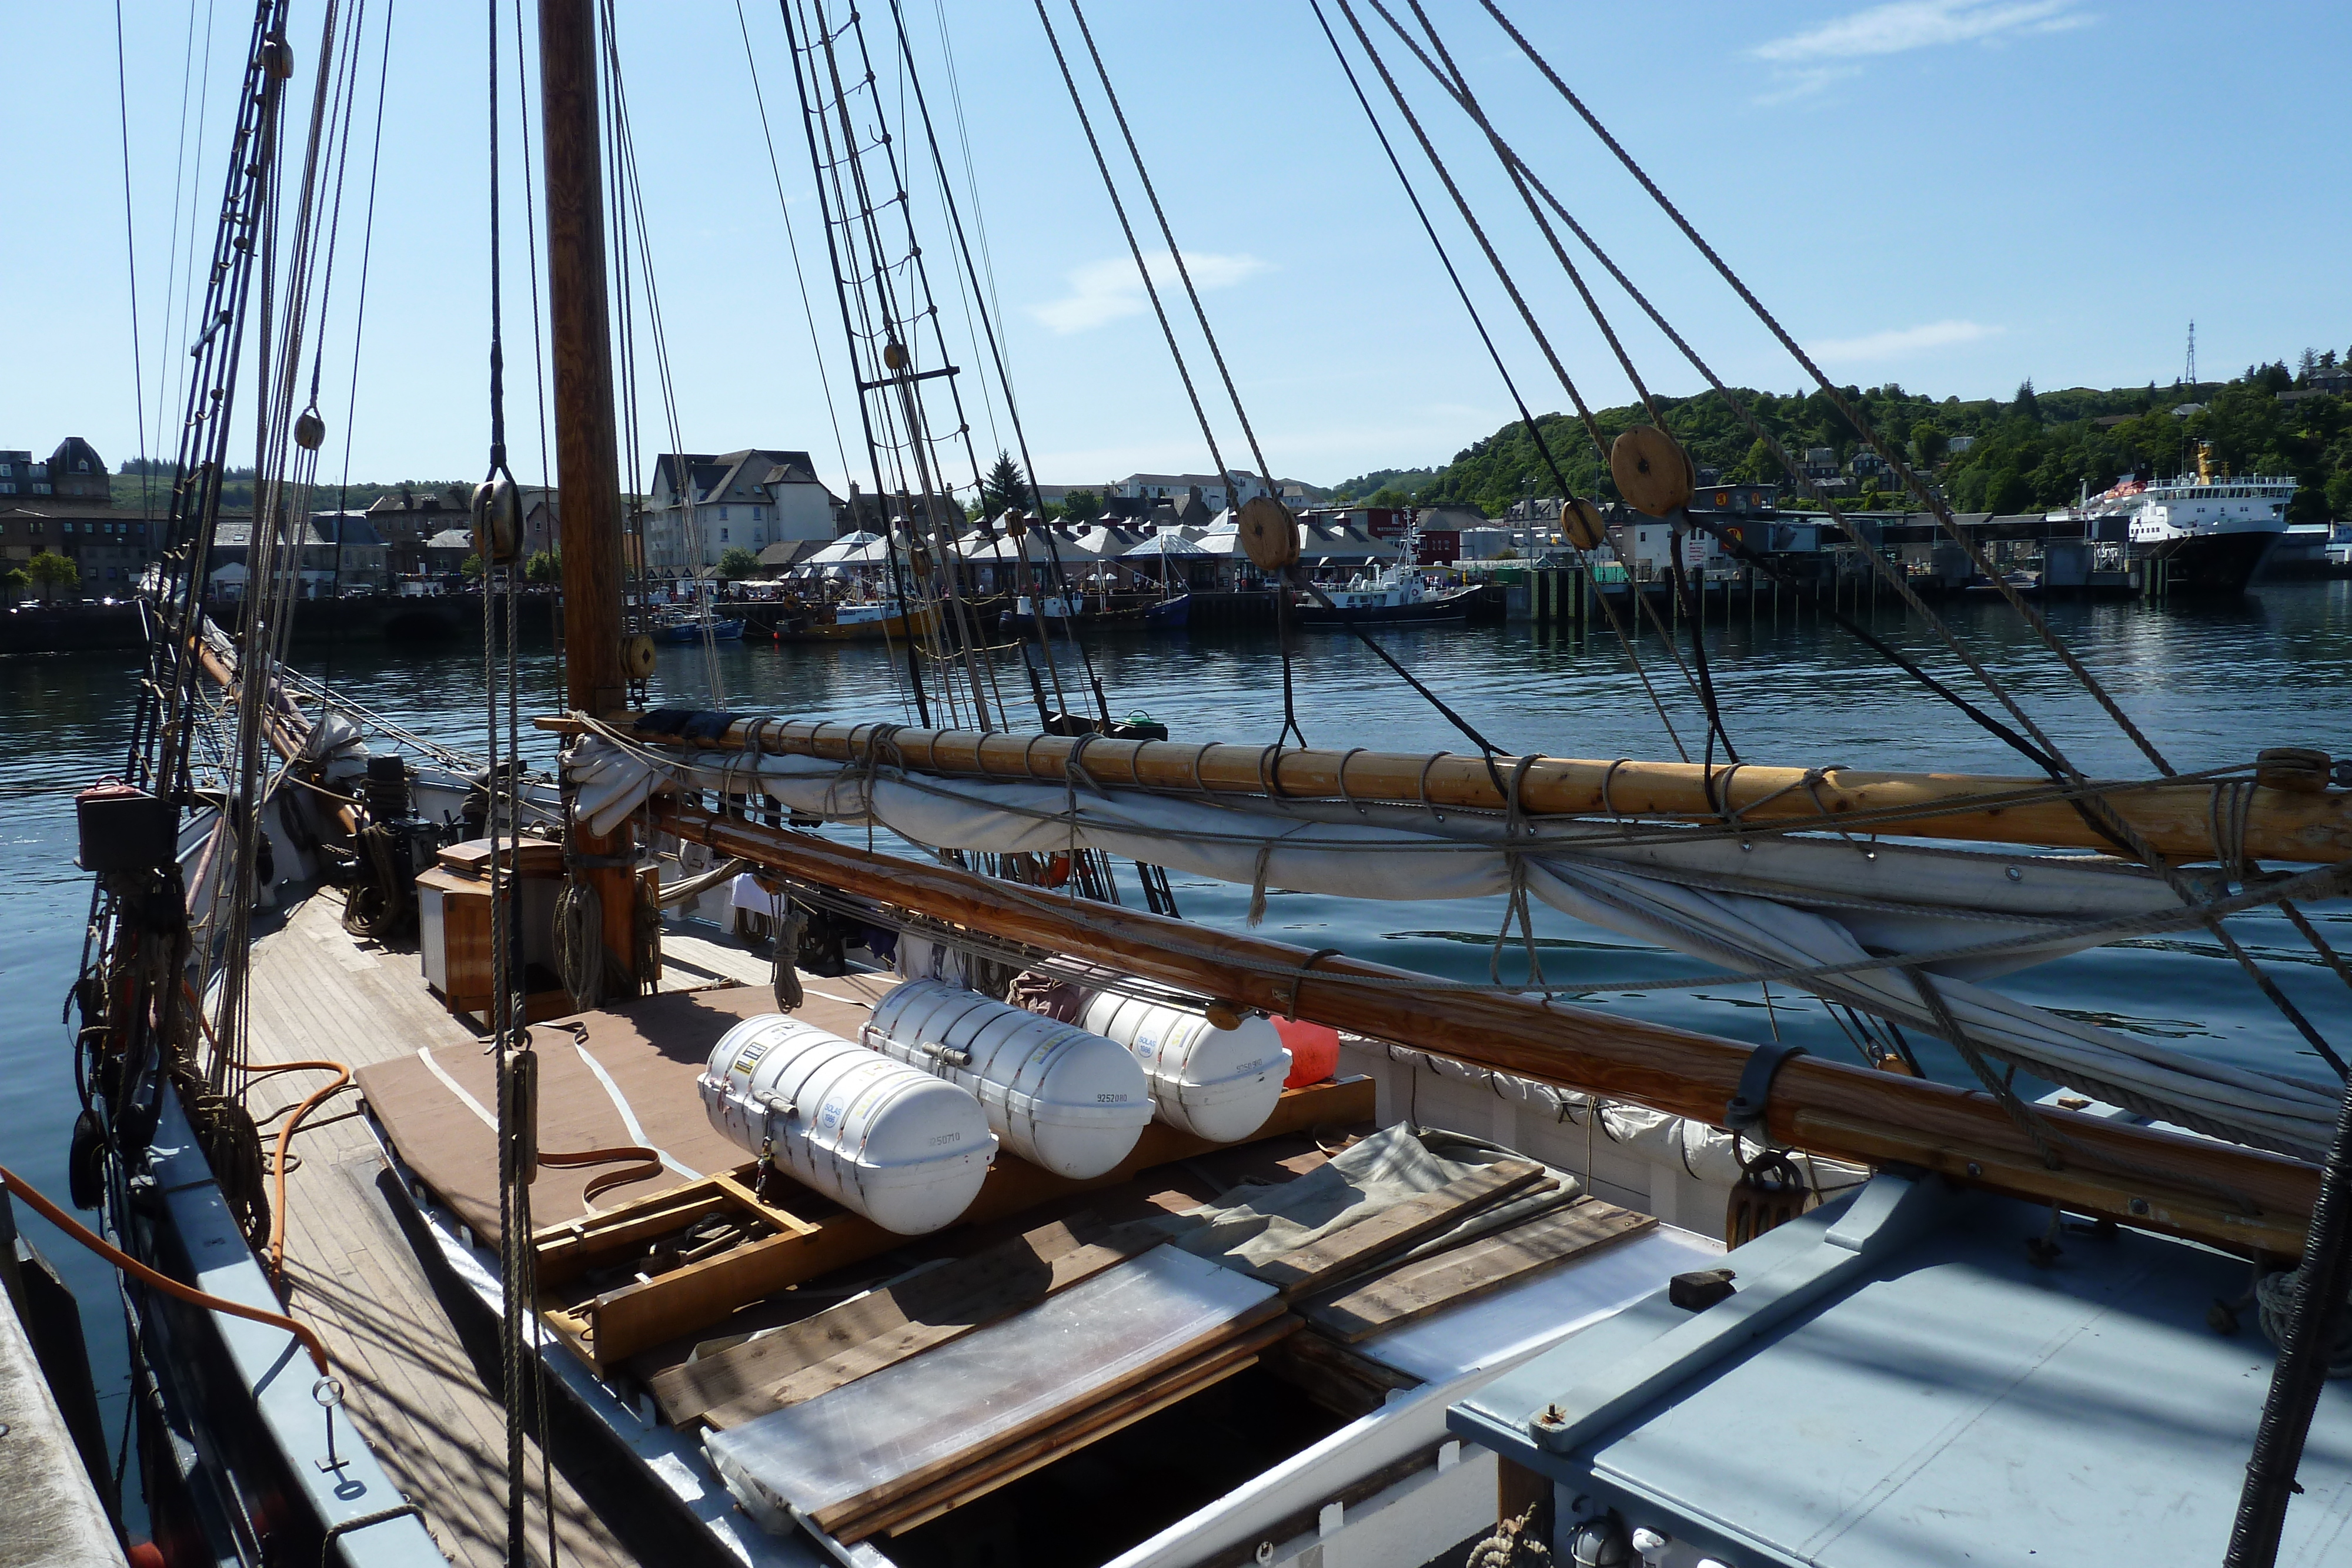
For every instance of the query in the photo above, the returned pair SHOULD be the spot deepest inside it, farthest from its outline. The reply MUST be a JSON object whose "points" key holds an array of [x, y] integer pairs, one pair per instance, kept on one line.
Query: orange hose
{"points": [[149, 1278], [284, 1133]]}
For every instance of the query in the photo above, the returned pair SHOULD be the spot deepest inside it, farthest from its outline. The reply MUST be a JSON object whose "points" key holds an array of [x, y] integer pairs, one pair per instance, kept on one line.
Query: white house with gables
{"points": [[702, 505]]}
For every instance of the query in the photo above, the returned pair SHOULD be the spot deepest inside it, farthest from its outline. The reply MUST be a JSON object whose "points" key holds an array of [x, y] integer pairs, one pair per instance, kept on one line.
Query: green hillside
{"points": [[133, 489], [2037, 449]]}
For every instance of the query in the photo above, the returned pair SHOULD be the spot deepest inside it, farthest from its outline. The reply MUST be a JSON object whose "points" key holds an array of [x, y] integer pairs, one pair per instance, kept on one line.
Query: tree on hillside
{"points": [[1082, 506], [2027, 405], [2007, 490], [53, 572], [1388, 495], [1928, 440], [738, 564], [1759, 467], [1005, 488]]}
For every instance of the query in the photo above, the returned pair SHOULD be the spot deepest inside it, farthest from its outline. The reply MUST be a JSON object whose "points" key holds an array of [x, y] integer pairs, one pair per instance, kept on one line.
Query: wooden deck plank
{"points": [[1413, 1291], [1355, 1247], [414, 1393]]}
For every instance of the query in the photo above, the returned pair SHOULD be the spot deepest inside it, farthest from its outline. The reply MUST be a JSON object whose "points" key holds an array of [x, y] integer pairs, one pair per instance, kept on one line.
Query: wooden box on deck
{"points": [[453, 934]]}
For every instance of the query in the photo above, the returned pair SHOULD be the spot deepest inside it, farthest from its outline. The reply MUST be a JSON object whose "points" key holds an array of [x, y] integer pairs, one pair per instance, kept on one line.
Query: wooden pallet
{"points": [[805, 1236]]}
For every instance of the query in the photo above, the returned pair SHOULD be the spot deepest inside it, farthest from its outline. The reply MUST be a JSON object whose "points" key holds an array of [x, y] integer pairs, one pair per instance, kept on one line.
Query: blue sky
{"points": [[1952, 194]]}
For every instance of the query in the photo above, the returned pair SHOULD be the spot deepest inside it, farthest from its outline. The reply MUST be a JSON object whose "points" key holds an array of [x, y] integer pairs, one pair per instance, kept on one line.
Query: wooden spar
{"points": [[1831, 1109], [587, 463], [284, 739], [2176, 819]]}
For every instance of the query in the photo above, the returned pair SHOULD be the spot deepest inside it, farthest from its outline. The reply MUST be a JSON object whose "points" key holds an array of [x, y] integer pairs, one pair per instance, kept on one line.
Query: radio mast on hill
{"points": [[2192, 356]]}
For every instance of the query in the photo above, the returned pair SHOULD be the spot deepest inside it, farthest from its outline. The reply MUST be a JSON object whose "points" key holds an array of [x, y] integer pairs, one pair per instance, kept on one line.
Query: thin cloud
{"points": [[1803, 61], [1898, 340], [1906, 24], [1804, 83], [1103, 291]]}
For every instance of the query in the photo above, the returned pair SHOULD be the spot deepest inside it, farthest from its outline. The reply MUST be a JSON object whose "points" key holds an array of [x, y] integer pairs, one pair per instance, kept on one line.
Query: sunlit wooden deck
{"points": [[416, 1387]]}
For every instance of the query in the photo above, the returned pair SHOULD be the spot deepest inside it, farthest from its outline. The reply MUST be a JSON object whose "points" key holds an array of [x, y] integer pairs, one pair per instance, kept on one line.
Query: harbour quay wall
{"points": [[82, 627]]}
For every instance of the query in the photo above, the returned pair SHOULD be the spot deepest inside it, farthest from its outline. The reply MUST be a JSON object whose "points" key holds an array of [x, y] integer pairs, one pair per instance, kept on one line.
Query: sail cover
{"points": [[1770, 906]]}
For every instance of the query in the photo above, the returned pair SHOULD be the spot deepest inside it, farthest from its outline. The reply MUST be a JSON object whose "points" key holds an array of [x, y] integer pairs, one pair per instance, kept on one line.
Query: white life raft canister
{"points": [[897, 1145], [1221, 1083], [1059, 1096]]}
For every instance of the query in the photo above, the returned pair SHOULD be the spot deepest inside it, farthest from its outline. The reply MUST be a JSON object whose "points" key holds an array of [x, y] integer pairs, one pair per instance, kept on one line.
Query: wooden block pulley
{"points": [[1652, 470], [1579, 520], [1269, 533]]}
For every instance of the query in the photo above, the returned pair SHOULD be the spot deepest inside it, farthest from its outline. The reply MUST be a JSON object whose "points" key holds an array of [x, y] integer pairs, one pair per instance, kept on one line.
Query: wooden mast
{"points": [[587, 462]]}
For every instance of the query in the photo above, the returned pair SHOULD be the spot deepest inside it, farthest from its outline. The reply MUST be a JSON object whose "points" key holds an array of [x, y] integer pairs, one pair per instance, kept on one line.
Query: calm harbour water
{"points": [[2210, 685]]}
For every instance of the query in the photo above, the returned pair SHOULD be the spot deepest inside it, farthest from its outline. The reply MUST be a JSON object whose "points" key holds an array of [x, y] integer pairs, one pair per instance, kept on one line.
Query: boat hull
{"points": [[1442, 610], [2220, 563], [721, 631], [916, 624]]}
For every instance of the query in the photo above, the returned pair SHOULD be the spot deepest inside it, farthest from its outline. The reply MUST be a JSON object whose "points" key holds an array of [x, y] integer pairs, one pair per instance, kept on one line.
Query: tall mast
{"points": [[587, 463]]}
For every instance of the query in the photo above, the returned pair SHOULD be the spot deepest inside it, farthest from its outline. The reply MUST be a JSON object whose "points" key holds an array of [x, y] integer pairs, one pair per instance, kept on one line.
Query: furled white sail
{"points": [[1768, 905]]}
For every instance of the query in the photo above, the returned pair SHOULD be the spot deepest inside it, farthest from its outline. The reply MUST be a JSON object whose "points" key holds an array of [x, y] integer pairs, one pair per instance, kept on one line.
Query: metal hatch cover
{"points": [[1939, 1398]]}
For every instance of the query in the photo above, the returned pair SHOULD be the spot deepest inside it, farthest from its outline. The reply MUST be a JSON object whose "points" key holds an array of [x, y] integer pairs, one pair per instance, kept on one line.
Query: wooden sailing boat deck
{"points": [[423, 1394]]}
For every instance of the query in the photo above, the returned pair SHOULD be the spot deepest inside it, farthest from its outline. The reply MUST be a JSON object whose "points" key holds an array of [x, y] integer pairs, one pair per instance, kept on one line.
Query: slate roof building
{"points": [[702, 505]]}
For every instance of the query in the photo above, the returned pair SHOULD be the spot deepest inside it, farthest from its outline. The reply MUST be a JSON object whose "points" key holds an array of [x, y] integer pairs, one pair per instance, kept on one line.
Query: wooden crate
{"points": [[453, 930]]}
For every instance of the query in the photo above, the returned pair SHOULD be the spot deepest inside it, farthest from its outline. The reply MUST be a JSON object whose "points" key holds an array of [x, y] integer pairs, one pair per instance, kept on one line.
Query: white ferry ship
{"points": [[2210, 531]]}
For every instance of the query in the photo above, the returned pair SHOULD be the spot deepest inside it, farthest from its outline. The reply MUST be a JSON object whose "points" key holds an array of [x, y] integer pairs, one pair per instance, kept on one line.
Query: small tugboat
{"points": [[1394, 594]]}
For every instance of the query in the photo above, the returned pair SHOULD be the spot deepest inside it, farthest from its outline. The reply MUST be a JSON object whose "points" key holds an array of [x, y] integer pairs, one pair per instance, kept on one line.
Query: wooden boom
{"points": [[1828, 1107], [2177, 820]]}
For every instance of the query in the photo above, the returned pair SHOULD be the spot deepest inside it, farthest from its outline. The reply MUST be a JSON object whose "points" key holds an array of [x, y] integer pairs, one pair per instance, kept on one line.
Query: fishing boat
{"points": [[995, 1211], [694, 625], [1395, 593], [859, 621], [1169, 615]]}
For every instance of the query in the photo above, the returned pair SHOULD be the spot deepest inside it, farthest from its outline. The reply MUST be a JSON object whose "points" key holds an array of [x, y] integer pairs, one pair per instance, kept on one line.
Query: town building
{"points": [[340, 554], [74, 472], [404, 521], [702, 505], [1215, 493], [65, 505]]}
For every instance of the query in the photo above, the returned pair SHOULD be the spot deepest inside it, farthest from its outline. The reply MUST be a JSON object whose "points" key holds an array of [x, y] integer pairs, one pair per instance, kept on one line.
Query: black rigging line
{"points": [[791, 241], [996, 354], [1592, 428], [1694, 600], [809, 123], [1903, 470], [2085, 802], [130, 257], [1175, 252], [2026, 747], [1291, 575], [359, 329]]}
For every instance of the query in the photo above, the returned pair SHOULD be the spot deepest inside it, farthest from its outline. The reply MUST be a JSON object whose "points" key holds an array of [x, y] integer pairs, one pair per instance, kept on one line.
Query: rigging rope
{"points": [[2092, 807], [1543, 342], [1853, 416], [497, 503], [791, 241], [1526, 416]]}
